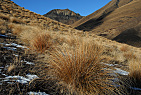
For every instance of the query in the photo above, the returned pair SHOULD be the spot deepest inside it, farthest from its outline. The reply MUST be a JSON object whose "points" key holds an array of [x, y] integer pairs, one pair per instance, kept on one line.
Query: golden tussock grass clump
{"points": [[2, 28], [37, 39], [124, 48], [11, 25], [16, 29], [72, 40], [16, 20], [42, 42], [118, 56], [28, 33], [135, 71], [80, 71], [129, 55], [3, 31]]}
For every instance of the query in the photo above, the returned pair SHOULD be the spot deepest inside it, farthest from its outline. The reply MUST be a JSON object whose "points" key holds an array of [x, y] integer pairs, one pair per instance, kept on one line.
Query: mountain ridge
{"points": [[65, 16]]}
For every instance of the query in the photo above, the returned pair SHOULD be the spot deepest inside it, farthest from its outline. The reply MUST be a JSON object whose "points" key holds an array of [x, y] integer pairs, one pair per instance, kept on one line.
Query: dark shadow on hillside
{"points": [[91, 24], [129, 36]]}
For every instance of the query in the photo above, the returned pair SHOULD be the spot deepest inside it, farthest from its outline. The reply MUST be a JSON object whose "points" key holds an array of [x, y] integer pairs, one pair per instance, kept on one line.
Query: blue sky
{"points": [[83, 7]]}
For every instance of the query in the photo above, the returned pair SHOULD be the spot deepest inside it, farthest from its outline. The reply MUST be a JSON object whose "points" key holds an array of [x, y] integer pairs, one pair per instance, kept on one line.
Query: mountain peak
{"points": [[65, 16]]}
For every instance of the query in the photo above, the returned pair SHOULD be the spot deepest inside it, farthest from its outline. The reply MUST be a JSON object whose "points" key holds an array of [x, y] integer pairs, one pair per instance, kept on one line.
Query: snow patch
{"points": [[121, 72], [37, 93], [15, 55], [107, 64], [16, 45], [29, 63], [20, 79], [10, 48]]}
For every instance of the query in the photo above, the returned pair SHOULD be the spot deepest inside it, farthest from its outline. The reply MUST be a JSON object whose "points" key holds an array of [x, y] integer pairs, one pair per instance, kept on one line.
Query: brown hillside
{"points": [[11, 12], [115, 21], [99, 14], [65, 16], [41, 56]]}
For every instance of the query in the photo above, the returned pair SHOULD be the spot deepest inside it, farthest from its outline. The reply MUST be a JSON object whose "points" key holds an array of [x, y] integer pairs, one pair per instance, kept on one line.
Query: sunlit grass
{"points": [[80, 70]]}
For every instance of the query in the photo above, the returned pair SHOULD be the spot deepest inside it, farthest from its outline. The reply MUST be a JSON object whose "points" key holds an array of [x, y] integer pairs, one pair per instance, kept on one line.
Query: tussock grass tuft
{"points": [[135, 71], [129, 55], [124, 48], [42, 42], [80, 71]]}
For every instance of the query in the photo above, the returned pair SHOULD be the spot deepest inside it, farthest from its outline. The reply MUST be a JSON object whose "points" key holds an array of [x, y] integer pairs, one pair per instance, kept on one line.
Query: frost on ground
{"points": [[37, 93], [121, 72], [20, 79], [16, 45], [13, 46]]}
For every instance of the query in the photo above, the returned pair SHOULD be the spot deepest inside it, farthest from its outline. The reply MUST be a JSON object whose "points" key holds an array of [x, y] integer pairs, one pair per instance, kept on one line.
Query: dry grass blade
{"points": [[42, 42], [80, 70], [135, 71]]}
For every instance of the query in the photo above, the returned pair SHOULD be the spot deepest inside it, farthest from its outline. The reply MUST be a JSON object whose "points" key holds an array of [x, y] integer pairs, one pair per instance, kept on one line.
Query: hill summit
{"points": [[65, 16]]}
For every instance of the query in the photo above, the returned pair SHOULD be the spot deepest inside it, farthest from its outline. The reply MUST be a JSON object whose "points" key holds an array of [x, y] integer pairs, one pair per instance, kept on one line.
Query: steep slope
{"points": [[125, 15], [65, 16], [89, 22], [13, 13]]}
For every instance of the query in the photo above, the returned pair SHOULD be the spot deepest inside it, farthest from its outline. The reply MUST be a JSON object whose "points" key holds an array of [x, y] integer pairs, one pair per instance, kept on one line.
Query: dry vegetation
{"points": [[72, 59], [80, 69]]}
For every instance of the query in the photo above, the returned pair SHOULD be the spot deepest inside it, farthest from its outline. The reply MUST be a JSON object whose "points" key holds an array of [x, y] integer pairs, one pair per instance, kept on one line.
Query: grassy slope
{"points": [[111, 6], [59, 43]]}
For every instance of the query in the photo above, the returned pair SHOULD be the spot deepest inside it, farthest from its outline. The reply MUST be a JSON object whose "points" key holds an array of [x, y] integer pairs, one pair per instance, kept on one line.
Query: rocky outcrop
{"points": [[65, 16]]}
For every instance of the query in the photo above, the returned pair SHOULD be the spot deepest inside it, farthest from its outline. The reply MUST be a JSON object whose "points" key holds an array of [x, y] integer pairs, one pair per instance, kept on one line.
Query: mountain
{"points": [[65, 16], [119, 20], [39, 55]]}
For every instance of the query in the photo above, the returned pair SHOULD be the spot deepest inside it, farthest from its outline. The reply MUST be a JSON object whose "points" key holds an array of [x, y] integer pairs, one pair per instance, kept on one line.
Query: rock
{"points": [[65, 16]]}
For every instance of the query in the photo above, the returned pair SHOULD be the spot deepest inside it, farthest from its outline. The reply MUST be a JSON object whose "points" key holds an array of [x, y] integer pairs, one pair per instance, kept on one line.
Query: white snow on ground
{"points": [[29, 63], [37, 93], [107, 64], [117, 70], [16, 45], [10, 48], [20, 79], [110, 64], [15, 55], [30, 77], [121, 72]]}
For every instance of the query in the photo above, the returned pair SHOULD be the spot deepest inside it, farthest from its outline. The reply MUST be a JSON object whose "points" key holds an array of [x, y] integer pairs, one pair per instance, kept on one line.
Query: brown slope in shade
{"points": [[65, 16]]}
